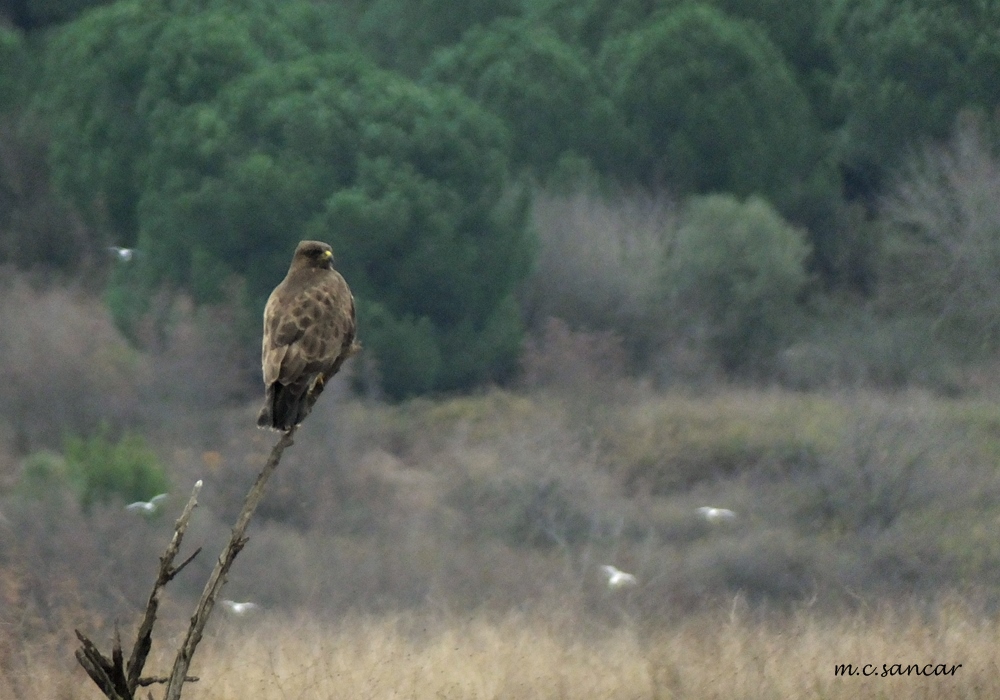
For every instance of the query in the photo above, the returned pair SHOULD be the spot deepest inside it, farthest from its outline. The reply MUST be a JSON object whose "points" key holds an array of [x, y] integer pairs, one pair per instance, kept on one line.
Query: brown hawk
{"points": [[309, 330]]}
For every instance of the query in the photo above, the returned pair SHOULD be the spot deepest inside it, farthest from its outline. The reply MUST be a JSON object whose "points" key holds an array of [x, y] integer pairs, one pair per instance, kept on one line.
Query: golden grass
{"points": [[573, 651], [724, 654]]}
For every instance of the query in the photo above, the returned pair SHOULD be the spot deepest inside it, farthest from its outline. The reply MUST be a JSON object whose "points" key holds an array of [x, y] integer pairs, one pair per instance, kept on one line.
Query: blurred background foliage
{"points": [[613, 260], [414, 136]]}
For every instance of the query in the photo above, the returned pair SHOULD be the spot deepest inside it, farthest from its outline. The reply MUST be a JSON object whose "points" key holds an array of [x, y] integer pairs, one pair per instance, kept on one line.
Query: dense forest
{"points": [[826, 168], [614, 261]]}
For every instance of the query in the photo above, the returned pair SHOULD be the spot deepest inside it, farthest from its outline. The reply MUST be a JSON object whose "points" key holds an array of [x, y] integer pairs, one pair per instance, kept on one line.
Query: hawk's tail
{"points": [[284, 407]]}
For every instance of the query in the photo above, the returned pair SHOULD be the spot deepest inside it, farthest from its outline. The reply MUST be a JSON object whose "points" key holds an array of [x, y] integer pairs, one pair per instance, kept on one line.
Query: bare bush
{"points": [[855, 348], [580, 362], [601, 264], [875, 475], [63, 366], [198, 365], [947, 202]]}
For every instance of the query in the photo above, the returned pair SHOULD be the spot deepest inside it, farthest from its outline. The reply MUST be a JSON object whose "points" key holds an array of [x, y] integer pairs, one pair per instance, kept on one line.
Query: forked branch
{"points": [[119, 680], [116, 679], [218, 577]]}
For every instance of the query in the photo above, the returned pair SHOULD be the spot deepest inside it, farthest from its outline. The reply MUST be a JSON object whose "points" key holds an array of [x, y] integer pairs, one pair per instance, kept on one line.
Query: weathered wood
{"points": [[152, 680], [116, 679], [144, 638], [98, 667], [218, 577]]}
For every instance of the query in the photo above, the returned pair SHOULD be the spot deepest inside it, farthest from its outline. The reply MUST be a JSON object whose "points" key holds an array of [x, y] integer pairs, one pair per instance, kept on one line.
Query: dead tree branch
{"points": [[218, 577], [117, 680]]}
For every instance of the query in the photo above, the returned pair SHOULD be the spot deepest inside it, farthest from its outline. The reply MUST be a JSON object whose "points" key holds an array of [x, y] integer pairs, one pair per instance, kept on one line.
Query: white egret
{"points": [[146, 507], [716, 515], [618, 578], [239, 608], [123, 254]]}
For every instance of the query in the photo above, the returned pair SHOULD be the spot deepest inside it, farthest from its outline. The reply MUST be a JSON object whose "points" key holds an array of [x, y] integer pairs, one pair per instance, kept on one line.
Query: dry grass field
{"points": [[468, 567], [451, 547], [729, 653]]}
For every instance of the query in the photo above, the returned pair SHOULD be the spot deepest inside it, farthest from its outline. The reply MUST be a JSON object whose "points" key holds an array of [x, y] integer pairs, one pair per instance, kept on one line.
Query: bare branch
{"points": [[144, 638], [100, 669], [177, 569], [152, 680], [117, 680], [218, 577]]}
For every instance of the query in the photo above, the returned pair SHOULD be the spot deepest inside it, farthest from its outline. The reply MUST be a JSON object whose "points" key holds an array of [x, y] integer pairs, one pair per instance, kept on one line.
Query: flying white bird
{"points": [[716, 515], [123, 254], [146, 507], [238, 608], [618, 578]]}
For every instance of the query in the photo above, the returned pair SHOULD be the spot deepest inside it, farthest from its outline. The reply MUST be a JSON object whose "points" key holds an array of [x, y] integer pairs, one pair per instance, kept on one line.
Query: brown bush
{"points": [[64, 368], [198, 366], [573, 362], [944, 250], [601, 265]]}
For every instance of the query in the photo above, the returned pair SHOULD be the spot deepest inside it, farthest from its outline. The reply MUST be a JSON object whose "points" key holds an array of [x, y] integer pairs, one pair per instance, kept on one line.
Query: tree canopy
{"points": [[543, 87], [219, 141], [712, 106], [214, 134], [906, 69]]}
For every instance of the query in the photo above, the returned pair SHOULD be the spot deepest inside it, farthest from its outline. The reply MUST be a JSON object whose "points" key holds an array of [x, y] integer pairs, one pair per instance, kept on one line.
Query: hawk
{"points": [[309, 329]]}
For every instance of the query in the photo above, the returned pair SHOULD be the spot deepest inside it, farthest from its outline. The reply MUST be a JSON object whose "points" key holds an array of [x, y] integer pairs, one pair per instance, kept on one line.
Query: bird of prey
{"points": [[146, 507], [123, 254], [238, 608], [309, 329], [618, 578], [716, 515]]}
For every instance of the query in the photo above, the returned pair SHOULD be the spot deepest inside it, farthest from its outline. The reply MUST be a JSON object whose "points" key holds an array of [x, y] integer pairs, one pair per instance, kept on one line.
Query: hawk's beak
{"points": [[327, 255]]}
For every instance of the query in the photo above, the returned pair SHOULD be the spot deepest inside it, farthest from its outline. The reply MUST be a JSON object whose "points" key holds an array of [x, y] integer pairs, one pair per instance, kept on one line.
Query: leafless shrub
{"points": [[766, 564], [580, 362], [875, 476], [63, 366], [198, 365], [601, 264], [62, 568], [858, 348], [948, 203]]}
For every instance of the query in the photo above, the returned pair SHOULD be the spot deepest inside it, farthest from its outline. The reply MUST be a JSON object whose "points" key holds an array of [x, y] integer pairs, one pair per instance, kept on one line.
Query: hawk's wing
{"points": [[307, 330]]}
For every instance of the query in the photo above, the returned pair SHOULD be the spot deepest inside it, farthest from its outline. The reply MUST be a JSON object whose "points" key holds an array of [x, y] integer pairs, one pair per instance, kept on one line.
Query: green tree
{"points": [[404, 34], [37, 14], [117, 73], [589, 23], [905, 70], [244, 140], [735, 272], [541, 86], [101, 469], [93, 75], [798, 32], [409, 185], [713, 106], [13, 59]]}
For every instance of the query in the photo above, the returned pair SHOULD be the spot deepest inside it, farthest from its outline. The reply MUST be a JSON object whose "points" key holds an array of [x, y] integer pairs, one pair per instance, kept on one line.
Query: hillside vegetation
{"points": [[613, 262]]}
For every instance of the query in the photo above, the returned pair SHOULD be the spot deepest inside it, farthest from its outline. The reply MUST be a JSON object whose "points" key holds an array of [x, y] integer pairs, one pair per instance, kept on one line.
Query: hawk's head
{"points": [[313, 254]]}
